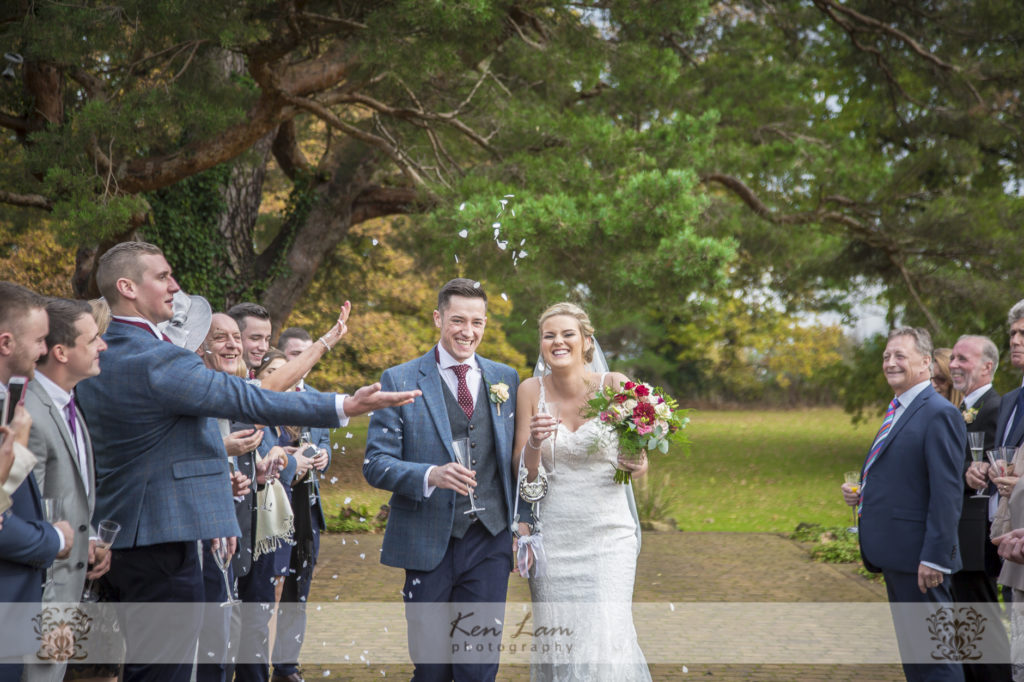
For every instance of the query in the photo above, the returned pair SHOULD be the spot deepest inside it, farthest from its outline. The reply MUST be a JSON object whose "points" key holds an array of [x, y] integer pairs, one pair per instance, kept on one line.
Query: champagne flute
{"points": [[52, 510], [106, 533], [997, 458], [462, 450], [223, 561], [271, 476], [852, 478], [552, 410], [976, 441]]}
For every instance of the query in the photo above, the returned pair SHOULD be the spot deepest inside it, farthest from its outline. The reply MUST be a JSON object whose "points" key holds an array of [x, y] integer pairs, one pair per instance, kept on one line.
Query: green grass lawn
{"points": [[747, 470]]}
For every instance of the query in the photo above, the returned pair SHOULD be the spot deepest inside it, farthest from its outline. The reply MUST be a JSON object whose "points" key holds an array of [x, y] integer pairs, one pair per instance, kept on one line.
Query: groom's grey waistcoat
{"points": [[485, 463]]}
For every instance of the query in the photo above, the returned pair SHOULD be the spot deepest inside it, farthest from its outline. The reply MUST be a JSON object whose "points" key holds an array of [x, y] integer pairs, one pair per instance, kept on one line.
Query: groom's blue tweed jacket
{"points": [[403, 442]]}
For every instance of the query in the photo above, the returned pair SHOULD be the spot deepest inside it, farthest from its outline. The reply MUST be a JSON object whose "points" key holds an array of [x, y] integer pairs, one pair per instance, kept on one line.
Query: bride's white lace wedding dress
{"points": [[591, 542]]}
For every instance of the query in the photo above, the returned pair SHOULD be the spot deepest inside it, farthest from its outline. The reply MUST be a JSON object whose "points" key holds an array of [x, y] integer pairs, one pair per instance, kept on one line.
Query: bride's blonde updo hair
{"points": [[572, 310]]}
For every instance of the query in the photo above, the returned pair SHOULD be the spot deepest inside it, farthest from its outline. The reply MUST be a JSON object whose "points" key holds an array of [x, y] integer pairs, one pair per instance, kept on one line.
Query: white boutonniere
{"points": [[498, 393], [969, 415]]}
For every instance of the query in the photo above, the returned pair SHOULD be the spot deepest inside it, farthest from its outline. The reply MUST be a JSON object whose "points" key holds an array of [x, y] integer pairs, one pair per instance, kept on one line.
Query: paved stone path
{"points": [[678, 575]]}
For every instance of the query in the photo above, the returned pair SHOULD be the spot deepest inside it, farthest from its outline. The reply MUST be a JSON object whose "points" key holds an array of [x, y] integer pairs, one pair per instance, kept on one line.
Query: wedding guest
{"points": [[972, 364], [28, 544], [914, 470], [254, 323], [60, 441], [161, 467], [256, 344], [448, 555], [220, 351], [309, 523], [1010, 433], [942, 381]]}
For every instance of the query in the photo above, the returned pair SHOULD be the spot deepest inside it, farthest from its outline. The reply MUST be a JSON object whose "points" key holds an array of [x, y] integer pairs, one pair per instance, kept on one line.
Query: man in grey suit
{"points": [[28, 544], [450, 554], [161, 466], [60, 441]]}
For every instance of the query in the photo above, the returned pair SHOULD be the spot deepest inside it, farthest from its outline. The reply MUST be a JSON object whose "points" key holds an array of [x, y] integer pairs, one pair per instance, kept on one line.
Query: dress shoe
{"points": [[294, 677]]}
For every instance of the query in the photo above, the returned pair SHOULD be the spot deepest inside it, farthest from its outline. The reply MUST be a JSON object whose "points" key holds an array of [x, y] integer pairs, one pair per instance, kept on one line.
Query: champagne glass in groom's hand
{"points": [[464, 456]]}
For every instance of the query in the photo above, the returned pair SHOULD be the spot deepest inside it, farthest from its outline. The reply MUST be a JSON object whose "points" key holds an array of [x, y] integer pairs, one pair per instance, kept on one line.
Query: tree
{"points": [[124, 109]]}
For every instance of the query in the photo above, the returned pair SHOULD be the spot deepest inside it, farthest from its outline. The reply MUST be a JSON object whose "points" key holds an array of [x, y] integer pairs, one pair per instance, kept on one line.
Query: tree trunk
{"points": [[346, 198], [243, 195]]}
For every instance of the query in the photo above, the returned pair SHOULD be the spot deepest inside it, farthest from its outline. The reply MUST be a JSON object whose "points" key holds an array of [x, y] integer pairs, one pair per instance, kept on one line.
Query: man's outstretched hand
{"points": [[370, 398]]}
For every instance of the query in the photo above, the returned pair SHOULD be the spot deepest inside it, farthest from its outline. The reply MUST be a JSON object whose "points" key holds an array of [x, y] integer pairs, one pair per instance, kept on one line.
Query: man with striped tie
{"points": [[909, 500]]}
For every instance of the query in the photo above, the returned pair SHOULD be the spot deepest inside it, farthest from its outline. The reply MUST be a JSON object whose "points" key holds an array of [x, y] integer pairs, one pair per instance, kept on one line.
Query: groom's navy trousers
{"points": [[474, 570]]}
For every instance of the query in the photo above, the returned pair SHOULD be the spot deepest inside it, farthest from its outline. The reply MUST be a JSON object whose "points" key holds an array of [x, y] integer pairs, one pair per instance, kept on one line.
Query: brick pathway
{"points": [[681, 574]]}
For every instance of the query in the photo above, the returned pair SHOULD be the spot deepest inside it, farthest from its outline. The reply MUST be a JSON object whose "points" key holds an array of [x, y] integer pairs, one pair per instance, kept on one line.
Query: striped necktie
{"points": [[876, 447]]}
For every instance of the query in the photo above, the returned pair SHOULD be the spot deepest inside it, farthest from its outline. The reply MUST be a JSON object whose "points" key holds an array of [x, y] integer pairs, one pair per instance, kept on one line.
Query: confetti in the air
{"points": [[463, 233]]}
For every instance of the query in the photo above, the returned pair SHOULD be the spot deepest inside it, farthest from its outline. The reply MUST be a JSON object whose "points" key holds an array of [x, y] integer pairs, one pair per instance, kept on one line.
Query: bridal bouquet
{"points": [[643, 418]]}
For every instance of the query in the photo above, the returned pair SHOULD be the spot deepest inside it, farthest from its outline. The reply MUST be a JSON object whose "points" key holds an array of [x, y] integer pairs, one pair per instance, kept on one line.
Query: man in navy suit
{"points": [[161, 467], [910, 498], [450, 556], [28, 544], [291, 619]]}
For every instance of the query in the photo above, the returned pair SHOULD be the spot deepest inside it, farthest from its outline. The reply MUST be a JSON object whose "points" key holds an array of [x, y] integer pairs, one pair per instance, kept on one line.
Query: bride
{"points": [[583, 595]]}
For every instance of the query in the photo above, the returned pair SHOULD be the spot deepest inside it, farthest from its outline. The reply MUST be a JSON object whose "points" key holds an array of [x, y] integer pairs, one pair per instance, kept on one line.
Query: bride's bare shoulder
{"points": [[530, 386]]}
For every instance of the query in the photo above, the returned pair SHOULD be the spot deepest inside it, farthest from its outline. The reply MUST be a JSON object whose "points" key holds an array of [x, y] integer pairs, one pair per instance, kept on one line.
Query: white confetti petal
{"points": [[461, 206], [347, 500], [334, 479], [504, 296], [685, 669], [463, 233], [375, 242], [672, 606], [362, 555], [456, 258], [496, 225], [503, 245], [327, 673], [509, 196], [522, 254]]}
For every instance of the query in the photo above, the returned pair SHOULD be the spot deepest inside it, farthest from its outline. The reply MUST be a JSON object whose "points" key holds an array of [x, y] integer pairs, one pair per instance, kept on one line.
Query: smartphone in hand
{"points": [[15, 396]]}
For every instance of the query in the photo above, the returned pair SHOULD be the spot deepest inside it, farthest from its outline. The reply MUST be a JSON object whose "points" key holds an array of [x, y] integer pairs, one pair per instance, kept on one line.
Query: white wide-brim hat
{"points": [[190, 323]]}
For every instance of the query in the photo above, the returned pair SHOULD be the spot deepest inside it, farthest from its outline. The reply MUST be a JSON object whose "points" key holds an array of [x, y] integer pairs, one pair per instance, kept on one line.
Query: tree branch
{"points": [[18, 125], [406, 165], [871, 237], [26, 200], [286, 150]]}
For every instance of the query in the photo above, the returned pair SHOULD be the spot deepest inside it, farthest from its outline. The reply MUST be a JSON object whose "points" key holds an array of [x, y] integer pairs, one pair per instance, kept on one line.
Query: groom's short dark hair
{"points": [[460, 286]]}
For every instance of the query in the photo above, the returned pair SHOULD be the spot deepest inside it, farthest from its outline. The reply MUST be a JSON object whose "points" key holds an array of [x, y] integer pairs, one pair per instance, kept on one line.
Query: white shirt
{"points": [[60, 399], [975, 395], [473, 378]]}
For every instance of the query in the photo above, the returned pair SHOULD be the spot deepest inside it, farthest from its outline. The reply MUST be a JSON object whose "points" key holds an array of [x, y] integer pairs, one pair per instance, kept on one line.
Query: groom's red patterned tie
{"points": [[465, 399]]}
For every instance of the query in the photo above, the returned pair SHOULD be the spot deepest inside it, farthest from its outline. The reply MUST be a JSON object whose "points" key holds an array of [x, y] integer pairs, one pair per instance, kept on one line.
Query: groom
{"points": [[450, 556]]}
